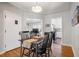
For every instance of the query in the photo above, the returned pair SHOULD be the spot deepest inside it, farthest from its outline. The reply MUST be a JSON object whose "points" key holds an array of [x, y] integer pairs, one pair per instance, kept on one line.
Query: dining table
{"points": [[28, 42]]}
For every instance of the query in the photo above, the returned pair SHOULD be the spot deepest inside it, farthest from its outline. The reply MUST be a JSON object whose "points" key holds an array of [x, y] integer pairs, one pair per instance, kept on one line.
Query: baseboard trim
{"points": [[67, 44], [74, 51]]}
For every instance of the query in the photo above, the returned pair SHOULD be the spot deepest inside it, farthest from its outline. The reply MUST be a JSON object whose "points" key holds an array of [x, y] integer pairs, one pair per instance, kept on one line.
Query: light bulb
{"points": [[37, 9]]}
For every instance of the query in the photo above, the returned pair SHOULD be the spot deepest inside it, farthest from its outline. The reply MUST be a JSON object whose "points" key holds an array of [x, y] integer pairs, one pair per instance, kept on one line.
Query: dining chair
{"points": [[24, 36], [40, 47], [27, 53]]}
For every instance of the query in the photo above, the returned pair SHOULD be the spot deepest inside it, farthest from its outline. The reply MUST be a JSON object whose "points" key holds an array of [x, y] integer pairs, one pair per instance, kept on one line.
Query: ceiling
{"points": [[48, 7]]}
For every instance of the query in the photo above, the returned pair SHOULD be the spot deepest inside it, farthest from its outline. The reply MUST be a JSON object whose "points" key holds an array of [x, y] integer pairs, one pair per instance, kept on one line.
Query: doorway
{"points": [[56, 25], [34, 24]]}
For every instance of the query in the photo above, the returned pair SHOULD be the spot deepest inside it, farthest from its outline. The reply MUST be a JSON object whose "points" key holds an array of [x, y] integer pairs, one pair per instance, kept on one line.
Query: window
{"points": [[56, 24], [34, 23]]}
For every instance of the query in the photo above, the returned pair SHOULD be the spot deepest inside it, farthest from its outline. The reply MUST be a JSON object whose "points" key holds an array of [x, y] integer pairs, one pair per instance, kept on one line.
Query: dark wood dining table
{"points": [[29, 41]]}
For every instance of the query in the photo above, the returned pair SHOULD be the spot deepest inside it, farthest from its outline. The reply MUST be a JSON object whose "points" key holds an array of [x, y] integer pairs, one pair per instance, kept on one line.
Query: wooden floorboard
{"points": [[66, 52]]}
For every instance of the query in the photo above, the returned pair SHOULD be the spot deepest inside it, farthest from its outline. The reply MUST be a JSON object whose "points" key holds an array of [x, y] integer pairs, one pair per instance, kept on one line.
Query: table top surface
{"points": [[33, 39]]}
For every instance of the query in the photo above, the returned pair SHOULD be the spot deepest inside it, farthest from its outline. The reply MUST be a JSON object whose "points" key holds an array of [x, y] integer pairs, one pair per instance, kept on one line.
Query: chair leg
{"points": [[29, 53], [48, 52], [23, 52], [41, 55], [33, 54], [45, 54]]}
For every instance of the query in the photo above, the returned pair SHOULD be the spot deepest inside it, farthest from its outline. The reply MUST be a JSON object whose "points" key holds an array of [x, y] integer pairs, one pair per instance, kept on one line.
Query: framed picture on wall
{"points": [[75, 19], [16, 21]]}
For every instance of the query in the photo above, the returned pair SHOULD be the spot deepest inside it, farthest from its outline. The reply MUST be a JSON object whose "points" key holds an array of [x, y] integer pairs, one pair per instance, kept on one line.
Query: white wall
{"points": [[66, 25], [1, 32], [75, 32], [9, 7]]}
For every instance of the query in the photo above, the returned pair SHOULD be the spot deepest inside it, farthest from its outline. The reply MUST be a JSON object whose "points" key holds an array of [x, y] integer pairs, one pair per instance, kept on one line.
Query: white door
{"points": [[12, 28]]}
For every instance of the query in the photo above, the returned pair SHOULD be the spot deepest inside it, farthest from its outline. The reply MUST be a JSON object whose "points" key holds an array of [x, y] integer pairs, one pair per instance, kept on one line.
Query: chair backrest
{"points": [[47, 34], [45, 41], [42, 45], [32, 34], [24, 35], [54, 35], [50, 39]]}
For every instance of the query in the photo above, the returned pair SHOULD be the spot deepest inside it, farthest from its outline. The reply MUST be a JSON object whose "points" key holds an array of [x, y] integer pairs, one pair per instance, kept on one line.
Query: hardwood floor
{"points": [[11, 53], [66, 51]]}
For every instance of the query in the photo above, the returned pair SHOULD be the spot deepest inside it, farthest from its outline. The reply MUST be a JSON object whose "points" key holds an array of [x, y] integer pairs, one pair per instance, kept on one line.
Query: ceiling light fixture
{"points": [[36, 8]]}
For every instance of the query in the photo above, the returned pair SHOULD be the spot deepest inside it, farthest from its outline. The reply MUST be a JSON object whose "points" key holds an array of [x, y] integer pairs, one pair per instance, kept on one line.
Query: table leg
{"points": [[21, 50], [36, 50]]}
